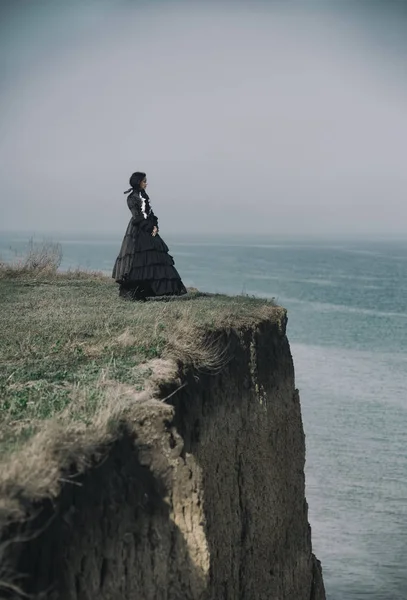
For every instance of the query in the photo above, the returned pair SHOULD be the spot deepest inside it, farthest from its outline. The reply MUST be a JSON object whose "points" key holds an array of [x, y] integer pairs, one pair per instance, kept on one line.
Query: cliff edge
{"points": [[192, 489]]}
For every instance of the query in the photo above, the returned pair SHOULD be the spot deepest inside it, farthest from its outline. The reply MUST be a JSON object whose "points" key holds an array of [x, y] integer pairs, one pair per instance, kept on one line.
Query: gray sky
{"points": [[268, 117]]}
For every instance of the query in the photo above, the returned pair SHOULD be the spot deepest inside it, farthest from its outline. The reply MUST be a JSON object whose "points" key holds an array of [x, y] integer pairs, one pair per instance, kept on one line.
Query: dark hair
{"points": [[135, 181]]}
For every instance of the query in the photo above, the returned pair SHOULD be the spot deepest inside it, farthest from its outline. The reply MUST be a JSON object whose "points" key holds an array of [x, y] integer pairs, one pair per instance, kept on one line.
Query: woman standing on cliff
{"points": [[144, 267]]}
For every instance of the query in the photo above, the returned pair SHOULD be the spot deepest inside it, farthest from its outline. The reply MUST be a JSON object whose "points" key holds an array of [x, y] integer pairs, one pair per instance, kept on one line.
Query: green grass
{"points": [[64, 337]]}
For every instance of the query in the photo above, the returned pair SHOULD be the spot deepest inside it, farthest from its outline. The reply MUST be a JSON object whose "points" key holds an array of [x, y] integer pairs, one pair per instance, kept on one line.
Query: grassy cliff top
{"points": [[67, 338]]}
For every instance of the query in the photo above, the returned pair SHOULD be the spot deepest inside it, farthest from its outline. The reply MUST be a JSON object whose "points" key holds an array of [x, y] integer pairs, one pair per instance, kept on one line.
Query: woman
{"points": [[144, 267]]}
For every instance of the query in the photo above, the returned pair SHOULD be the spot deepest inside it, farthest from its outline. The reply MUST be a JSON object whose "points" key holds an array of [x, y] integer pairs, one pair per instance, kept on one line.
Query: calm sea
{"points": [[347, 306]]}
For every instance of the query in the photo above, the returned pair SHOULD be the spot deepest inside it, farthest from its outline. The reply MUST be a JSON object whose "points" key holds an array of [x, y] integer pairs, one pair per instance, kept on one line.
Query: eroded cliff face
{"points": [[200, 496]]}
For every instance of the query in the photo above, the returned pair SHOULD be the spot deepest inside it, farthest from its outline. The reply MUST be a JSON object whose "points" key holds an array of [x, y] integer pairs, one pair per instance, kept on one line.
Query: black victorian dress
{"points": [[144, 267]]}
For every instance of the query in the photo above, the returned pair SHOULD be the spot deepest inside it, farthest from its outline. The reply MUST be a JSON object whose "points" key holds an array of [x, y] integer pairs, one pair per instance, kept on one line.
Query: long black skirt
{"points": [[144, 266]]}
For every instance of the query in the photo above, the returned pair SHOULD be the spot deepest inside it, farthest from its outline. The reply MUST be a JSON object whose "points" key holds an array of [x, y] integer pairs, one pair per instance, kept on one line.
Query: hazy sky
{"points": [[269, 117]]}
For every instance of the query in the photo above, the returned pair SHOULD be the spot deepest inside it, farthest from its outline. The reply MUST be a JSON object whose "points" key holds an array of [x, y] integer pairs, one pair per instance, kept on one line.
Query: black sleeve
{"points": [[155, 220]]}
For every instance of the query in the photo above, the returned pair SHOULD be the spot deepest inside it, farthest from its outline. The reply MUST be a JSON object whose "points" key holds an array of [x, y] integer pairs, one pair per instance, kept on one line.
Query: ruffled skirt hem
{"points": [[144, 268]]}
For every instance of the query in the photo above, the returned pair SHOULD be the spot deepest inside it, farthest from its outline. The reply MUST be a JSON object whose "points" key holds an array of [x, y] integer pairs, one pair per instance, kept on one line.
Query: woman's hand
{"points": [[155, 231]]}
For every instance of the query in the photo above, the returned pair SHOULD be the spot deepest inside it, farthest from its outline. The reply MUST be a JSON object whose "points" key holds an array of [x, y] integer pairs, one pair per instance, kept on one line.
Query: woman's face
{"points": [[143, 184]]}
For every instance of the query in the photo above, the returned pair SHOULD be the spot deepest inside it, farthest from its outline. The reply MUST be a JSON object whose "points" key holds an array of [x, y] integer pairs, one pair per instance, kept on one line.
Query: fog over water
{"points": [[266, 117]]}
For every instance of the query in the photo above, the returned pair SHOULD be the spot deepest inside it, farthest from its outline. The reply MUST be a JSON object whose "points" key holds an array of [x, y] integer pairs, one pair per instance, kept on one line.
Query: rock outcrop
{"points": [[200, 494]]}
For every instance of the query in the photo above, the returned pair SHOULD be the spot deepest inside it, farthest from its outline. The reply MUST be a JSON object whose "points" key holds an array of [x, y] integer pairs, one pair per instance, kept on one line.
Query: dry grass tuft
{"points": [[41, 261], [126, 339], [43, 258], [46, 256]]}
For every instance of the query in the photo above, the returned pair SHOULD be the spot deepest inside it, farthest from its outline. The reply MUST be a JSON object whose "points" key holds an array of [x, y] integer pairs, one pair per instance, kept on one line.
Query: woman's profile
{"points": [[144, 268]]}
